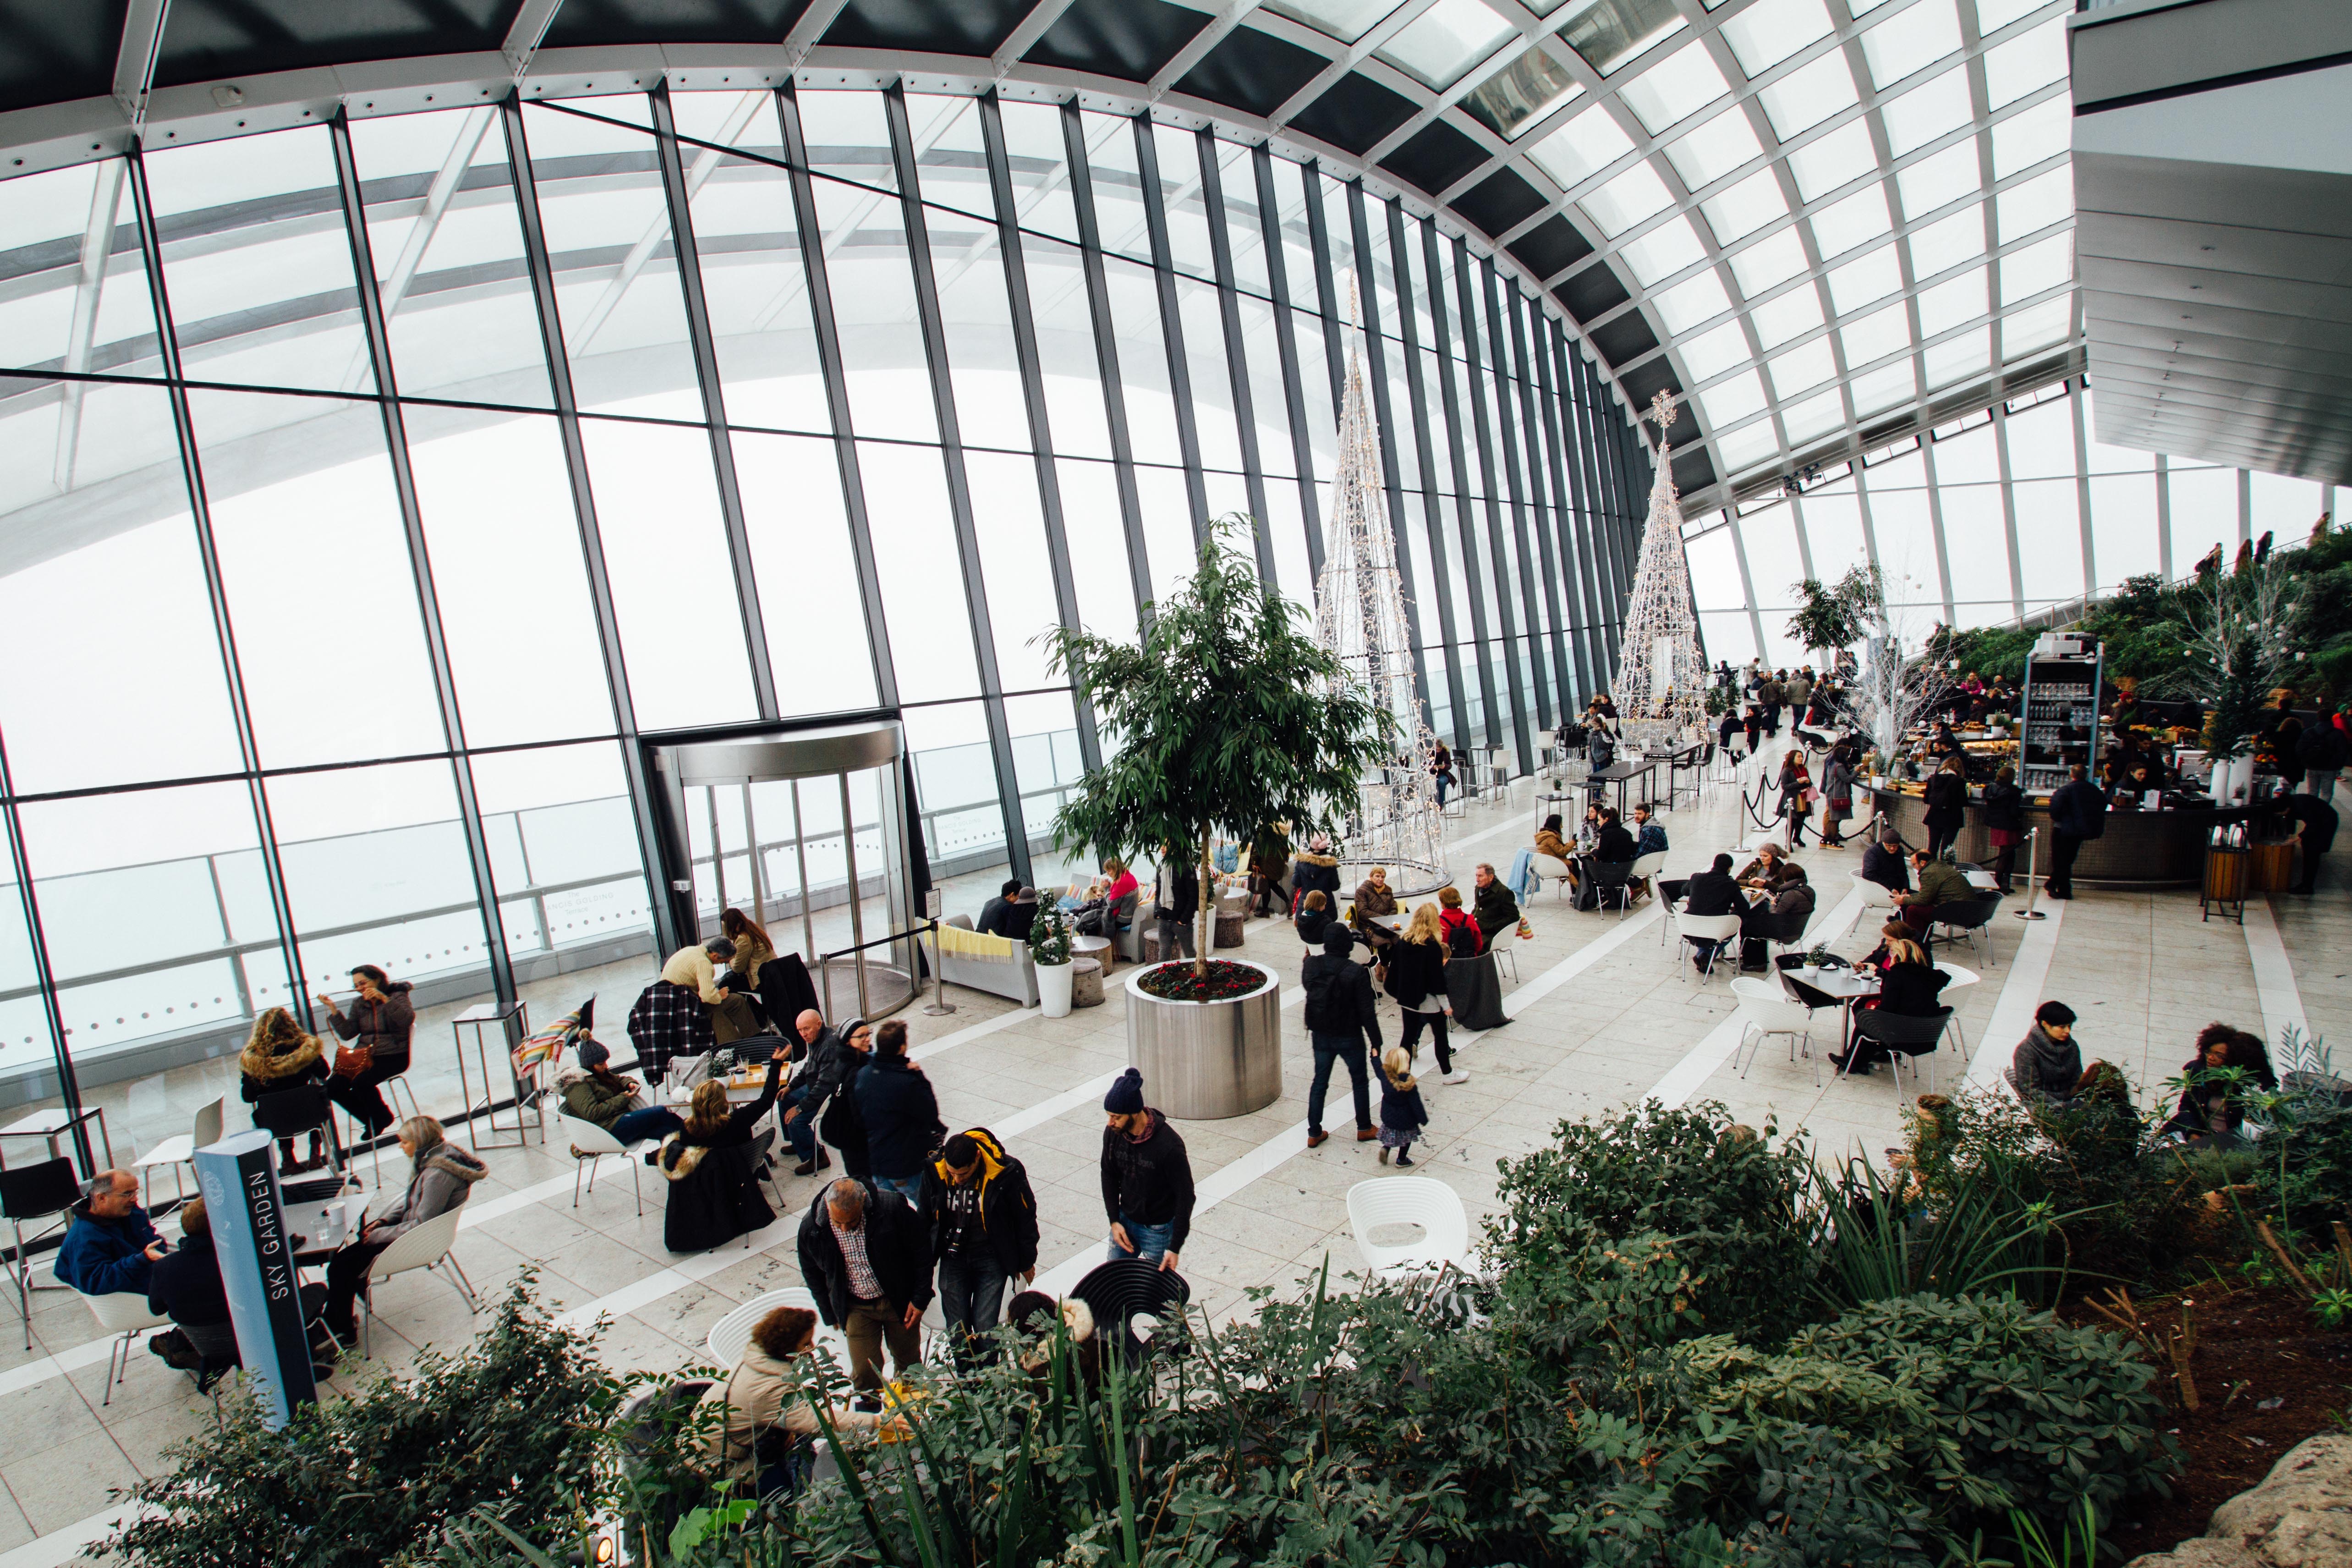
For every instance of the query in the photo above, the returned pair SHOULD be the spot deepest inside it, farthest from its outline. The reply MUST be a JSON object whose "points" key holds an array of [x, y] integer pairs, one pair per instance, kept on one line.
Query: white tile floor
{"points": [[1604, 1016]]}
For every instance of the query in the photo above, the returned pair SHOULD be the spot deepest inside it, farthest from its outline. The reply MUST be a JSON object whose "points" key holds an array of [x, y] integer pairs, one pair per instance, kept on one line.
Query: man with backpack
{"points": [[1339, 1020]]}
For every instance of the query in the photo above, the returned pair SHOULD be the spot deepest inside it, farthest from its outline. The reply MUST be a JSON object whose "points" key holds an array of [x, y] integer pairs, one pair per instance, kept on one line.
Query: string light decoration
{"points": [[1359, 617], [1661, 672]]}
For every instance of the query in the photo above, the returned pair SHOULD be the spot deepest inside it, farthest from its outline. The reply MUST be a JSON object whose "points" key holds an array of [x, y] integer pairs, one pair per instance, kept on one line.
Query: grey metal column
{"points": [[420, 565], [714, 401], [960, 513], [669, 931], [1503, 334], [36, 942], [1482, 645], [1090, 259], [1376, 371], [2008, 512], [1327, 287], [1432, 512], [1935, 526], [200, 514], [1032, 393], [836, 396], [1229, 310], [1568, 501], [2083, 492], [2163, 518], [1286, 340], [1746, 585], [1468, 289], [1172, 325]]}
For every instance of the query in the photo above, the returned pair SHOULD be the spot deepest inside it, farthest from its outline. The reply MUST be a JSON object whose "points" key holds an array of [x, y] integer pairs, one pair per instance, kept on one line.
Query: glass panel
{"points": [[146, 697], [2123, 522], [1446, 40], [807, 575], [496, 506], [1244, 227], [448, 256], [982, 369], [26, 1042], [747, 240], [873, 305], [608, 240], [1288, 527], [1674, 89], [1142, 362], [1045, 764], [1011, 526], [1346, 20], [1910, 41], [1035, 154], [1213, 388], [78, 294], [1064, 321], [571, 874], [1976, 536], [257, 262], [1609, 32], [1182, 199], [848, 137], [1833, 159], [921, 571], [2204, 504], [1715, 149], [314, 559], [1167, 527], [950, 163], [1584, 146], [1808, 95], [1765, 34], [955, 789], [1268, 405], [1521, 93], [1937, 108], [665, 555], [2049, 537], [1118, 183], [1097, 541]]}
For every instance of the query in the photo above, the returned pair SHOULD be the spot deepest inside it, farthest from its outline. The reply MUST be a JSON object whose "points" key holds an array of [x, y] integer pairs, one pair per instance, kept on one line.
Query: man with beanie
{"points": [[592, 1092], [1340, 1019], [2047, 1063], [983, 1231], [1147, 1179]]}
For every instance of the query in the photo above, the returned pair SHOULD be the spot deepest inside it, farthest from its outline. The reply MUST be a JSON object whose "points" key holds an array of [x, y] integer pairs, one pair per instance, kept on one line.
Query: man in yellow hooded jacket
{"points": [[983, 1232]]}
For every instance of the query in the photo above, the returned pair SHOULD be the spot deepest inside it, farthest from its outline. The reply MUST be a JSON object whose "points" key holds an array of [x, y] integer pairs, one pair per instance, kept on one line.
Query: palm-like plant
{"points": [[1227, 715]]}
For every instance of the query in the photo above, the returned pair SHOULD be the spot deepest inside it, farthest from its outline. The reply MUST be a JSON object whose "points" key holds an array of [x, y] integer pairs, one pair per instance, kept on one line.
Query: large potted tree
{"points": [[1226, 716]]}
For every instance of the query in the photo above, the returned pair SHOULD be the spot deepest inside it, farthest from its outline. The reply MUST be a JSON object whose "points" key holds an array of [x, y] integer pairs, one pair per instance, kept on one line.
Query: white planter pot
{"points": [[2232, 778], [1204, 1061], [1054, 989]]}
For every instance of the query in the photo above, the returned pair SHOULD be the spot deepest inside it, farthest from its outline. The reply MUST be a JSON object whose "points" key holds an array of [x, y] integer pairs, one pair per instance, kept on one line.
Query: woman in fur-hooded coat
{"points": [[278, 1056]]}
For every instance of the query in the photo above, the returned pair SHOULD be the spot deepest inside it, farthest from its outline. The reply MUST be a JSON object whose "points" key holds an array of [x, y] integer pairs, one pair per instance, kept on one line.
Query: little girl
{"points": [[1402, 1115]]}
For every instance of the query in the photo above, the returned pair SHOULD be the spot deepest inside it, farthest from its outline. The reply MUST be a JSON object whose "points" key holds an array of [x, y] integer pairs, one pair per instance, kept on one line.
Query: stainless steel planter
{"points": [[1204, 1061]]}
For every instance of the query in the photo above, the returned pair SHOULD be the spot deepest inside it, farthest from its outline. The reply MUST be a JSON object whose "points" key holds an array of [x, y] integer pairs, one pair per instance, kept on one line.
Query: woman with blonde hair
{"points": [[278, 1056], [440, 1178], [1413, 971], [1908, 987]]}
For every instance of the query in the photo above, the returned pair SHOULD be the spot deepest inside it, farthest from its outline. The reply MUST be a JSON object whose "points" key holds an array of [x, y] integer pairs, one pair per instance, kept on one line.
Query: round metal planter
{"points": [[1203, 1061]]}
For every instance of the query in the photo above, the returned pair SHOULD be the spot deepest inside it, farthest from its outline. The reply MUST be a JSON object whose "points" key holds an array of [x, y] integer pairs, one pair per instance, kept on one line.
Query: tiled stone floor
{"points": [[1608, 1016]]}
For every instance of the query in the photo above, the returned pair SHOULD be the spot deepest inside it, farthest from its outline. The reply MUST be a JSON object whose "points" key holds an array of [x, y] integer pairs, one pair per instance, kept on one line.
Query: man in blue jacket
{"points": [[109, 1245], [2078, 812], [900, 1112]]}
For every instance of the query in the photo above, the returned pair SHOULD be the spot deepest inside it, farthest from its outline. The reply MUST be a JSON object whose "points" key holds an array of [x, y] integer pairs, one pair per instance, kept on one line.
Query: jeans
{"points": [[1435, 1023], [1150, 1241], [1175, 937], [652, 1122], [1328, 1048], [907, 1188], [870, 1325], [971, 1299], [2321, 782], [800, 1131]]}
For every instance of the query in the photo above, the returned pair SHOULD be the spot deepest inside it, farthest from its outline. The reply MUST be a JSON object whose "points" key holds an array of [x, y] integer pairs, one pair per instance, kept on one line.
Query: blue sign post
{"points": [[256, 1263]]}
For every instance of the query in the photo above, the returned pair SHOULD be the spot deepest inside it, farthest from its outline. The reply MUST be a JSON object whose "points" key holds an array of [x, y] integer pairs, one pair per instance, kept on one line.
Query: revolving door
{"points": [[807, 832]]}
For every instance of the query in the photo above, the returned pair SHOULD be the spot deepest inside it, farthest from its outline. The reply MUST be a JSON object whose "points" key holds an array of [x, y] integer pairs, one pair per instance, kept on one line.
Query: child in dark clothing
{"points": [[1401, 1114]]}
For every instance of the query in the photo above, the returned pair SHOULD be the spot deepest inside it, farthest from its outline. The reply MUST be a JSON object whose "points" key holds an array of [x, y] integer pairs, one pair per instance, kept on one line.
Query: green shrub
{"points": [[1727, 1198], [510, 1426], [2022, 1411]]}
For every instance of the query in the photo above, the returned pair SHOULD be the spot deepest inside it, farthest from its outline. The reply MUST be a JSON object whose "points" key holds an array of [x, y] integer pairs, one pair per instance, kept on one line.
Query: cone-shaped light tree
{"points": [[1227, 716]]}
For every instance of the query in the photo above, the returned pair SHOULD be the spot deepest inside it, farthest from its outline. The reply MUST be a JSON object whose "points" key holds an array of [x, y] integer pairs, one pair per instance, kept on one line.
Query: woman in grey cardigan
{"points": [[439, 1180]]}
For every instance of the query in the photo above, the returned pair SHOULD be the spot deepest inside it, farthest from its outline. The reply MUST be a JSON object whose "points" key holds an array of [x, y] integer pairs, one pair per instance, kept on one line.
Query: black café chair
{"points": [[35, 1195], [1117, 1291], [1902, 1036], [290, 1112], [1612, 879], [1971, 921]]}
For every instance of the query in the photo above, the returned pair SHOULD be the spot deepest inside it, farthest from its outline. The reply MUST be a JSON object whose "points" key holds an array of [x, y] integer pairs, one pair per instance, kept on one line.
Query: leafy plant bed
{"points": [[2253, 1345], [1222, 982]]}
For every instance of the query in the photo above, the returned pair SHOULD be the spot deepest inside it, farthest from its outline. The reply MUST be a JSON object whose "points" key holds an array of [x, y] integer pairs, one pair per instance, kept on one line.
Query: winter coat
{"points": [[714, 1195], [1796, 783], [1176, 892], [1460, 933], [1315, 927], [283, 1062], [760, 1394], [1310, 873], [382, 1027], [1942, 884], [736, 1130], [1339, 993], [689, 968], [1552, 844], [1713, 893], [1007, 1207], [2078, 809], [1886, 867], [1416, 973], [600, 1099], [901, 1115], [1614, 846], [2323, 746], [1402, 1108], [1837, 779], [1947, 802], [668, 1021], [750, 952], [439, 1180], [1911, 990], [103, 1257], [2046, 1067], [1374, 900], [897, 1250], [186, 1285], [1149, 1180], [1497, 912], [2004, 808]]}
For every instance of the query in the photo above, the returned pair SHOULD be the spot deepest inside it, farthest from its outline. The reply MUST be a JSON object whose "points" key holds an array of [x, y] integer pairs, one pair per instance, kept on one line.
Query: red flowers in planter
{"points": [[1224, 981]]}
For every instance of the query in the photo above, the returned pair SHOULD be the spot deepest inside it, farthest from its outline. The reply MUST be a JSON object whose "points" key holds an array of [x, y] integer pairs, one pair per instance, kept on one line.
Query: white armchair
{"points": [[1396, 1201]]}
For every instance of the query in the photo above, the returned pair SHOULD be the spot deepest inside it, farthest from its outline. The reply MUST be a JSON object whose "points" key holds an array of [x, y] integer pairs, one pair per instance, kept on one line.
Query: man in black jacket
{"points": [[2078, 813], [815, 1082], [983, 1231], [1883, 863], [1147, 1178], [1713, 891], [866, 1256], [1175, 901], [1340, 1019], [1010, 913], [900, 1112]]}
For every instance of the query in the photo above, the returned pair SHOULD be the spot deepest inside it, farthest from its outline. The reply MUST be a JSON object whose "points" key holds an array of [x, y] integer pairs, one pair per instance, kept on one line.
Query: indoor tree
{"points": [[1832, 616], [1229, 716]]}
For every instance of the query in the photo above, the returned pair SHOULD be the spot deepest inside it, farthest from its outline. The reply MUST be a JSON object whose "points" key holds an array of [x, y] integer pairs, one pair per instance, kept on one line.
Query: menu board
{"points": [[2062, 717]]}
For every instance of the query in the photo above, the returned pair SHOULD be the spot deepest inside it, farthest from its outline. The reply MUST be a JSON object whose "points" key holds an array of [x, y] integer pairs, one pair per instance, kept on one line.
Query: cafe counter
{"points": [[2139, 848]]}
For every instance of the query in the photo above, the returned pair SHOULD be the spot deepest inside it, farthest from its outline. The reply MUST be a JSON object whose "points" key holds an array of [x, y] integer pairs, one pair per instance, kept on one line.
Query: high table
{"points": [[1684, 759], [1621, 774]]}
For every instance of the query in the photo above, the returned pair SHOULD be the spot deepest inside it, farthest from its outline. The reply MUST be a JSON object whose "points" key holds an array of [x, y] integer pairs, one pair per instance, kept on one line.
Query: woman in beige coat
{"points": [[761, 1399]]}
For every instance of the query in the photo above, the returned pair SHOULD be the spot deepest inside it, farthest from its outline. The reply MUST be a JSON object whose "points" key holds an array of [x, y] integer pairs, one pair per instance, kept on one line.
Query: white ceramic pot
{"points": [[1054, 989]]}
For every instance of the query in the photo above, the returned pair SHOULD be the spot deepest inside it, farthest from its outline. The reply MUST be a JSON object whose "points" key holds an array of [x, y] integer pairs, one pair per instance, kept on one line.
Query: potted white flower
{"points": [[1049, 949]]}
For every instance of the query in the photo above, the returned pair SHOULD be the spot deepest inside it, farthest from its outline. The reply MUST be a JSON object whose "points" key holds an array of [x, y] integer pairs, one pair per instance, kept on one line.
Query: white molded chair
{"points": [[1958, 977], [123, 1314], [1715, 930], [591, 1145], [1423, 1201], [1875, 895], [1766, 1009], [427, 1246], [1646, 866], [178, 1150], [1551, 867], [730, 1333]]}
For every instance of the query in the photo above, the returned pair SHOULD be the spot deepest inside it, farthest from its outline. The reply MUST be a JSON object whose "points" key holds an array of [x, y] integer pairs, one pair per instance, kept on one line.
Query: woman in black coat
{"points": [[714, 1182], [1414, 972], [1908, 987], [278, 1056], [1947, 806], [2004, 820]]}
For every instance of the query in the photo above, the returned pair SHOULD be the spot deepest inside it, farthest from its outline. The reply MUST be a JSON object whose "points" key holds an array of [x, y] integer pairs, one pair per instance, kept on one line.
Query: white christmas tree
{"points": [[1661, 673], [1359, 617]]}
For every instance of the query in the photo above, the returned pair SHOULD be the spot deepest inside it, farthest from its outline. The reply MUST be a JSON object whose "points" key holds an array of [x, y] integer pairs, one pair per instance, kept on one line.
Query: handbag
{"points": [[352, 1060]]}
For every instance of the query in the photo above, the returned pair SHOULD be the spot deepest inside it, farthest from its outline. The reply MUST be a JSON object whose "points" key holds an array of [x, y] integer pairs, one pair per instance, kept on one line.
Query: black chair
{"points": [[1116, 1291], [1608, 879], [217, 1343], [30, 1195], [305, 1108], [1970, 921], [1900, 1035]]}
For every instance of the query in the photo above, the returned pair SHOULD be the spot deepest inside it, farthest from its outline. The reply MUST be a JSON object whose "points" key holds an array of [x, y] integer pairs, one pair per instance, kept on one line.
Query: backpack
{"points": [[1462, 936], [1321, 983]]}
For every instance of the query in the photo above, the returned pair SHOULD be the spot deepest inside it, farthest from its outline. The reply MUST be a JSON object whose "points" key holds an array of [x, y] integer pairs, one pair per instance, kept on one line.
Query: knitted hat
{"points": [[593, 1054], [1126, 1096]]}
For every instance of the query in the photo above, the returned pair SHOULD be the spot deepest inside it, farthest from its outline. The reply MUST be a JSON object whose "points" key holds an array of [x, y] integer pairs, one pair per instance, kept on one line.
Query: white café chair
{"points": [[124, 1315], [1766, 1009], [1875, 895], [1956, 978], [178, 1150], [1551, 867], [426, 1246], [1421, 1201], [1715, 930], [1646, 866], [590, 1146], [731, 1333]]}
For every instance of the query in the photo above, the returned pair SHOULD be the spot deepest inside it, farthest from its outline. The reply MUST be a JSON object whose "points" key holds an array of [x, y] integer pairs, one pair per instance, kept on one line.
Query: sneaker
{"points": [[1317, 1139], [1403, 1160], [1458, 1076]]}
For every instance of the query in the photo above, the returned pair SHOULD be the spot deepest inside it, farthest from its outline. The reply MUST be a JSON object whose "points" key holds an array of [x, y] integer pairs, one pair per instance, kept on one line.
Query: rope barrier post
{"points": [[938, 1006], [2032, 853]]}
